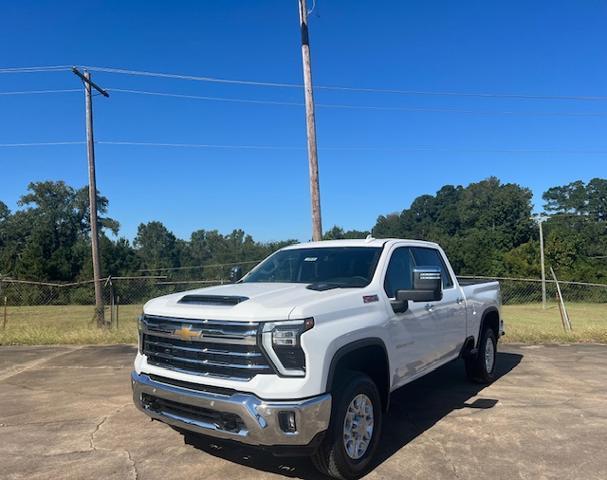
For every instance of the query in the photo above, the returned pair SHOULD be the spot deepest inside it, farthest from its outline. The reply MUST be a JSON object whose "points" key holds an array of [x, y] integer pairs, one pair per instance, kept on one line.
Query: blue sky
{"points": [[371, 161]]}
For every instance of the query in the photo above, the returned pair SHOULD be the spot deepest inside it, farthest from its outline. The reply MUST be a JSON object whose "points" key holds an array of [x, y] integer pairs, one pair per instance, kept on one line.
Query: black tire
{"points": [[331, 457], [476, 365]]}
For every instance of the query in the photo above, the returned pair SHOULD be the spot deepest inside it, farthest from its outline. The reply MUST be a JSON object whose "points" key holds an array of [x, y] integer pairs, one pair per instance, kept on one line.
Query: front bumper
{"points": [[236, 416]]}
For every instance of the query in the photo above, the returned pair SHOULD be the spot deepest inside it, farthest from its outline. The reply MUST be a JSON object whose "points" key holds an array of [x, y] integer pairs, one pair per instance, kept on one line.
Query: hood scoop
{"points": [[227, 300]]}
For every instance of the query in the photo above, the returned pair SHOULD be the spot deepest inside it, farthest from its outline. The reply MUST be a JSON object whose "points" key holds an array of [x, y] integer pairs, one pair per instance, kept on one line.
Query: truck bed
{"points": [[466, 281]]}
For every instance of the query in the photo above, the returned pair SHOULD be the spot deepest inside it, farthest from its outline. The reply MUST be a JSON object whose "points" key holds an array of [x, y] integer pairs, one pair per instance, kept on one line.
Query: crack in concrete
{"points": [[97, 427], [133, 464], [439, 445], [127, 452], [443, 452], [103, 420]]}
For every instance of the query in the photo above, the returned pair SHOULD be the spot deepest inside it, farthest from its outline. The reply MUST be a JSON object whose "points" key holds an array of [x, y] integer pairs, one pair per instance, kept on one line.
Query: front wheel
{"points": [[481, 367], [354, 430]]}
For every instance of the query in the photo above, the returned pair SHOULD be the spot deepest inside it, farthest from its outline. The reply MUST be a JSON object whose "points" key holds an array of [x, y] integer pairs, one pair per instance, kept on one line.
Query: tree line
{"points": [[486, 228]]}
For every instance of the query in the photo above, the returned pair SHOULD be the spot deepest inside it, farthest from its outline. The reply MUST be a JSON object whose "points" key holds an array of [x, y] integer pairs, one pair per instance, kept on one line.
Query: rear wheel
{"points": [[480, 368], [354, 430]]}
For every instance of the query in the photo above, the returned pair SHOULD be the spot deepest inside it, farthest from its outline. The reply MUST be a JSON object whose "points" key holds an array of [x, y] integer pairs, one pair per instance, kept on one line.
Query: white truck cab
{"points": [[302, 353]]}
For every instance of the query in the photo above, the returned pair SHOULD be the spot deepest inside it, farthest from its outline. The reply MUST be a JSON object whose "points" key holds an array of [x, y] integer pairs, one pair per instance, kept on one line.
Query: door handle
{"points": [[428, 307], [459, 300]]}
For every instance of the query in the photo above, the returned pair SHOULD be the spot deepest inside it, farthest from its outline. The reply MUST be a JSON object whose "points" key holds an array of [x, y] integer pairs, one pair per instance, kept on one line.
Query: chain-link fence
{"points": [[580, 316], [44, 312], [29, 310], [516, 291]]}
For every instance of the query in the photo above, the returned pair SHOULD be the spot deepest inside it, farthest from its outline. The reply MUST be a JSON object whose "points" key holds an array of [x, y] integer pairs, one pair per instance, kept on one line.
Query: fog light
{"points": [[286, 420]]}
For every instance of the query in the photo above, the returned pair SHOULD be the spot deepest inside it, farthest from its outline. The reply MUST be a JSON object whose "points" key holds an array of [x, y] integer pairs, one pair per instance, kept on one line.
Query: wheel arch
{"points": [[490, 318], [369, 356]]}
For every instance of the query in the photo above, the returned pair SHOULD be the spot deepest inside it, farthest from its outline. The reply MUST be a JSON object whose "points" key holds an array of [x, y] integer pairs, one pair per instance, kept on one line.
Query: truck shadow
{"points": [[414, 408]]}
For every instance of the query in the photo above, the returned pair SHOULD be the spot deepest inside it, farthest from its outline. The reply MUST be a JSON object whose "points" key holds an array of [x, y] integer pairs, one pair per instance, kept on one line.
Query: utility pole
{"points": [[541, 219], [310, 123], [90, 152]]}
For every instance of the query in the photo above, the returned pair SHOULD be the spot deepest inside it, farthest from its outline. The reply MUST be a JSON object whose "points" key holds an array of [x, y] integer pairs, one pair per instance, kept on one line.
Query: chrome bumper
{"points": [[259, 423]]}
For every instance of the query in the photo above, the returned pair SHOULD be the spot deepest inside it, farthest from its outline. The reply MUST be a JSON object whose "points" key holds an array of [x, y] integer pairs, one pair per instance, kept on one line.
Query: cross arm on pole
{"points": [[79, 74]]}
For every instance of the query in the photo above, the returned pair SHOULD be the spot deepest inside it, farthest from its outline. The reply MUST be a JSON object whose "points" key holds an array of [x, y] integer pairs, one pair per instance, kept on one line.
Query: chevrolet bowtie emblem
{"points": [[186, 332]]}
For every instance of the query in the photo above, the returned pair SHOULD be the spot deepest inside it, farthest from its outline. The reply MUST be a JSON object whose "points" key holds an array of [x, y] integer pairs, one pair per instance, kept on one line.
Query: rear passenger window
{"points": [[429, 257], [400, 272]]}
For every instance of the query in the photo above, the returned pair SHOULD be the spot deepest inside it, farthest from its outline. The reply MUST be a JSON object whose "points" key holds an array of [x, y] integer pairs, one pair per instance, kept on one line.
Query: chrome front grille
{"points": [[204, 347]]}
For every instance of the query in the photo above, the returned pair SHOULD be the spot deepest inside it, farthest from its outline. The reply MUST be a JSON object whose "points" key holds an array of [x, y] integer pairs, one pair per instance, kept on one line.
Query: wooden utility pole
{"points": [[540, 221], [310, 123], [90, 152]]}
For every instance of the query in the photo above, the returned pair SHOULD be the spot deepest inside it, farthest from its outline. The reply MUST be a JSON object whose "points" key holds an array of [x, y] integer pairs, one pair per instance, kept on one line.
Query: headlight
{"points": [[282, 343], [140, 333]]}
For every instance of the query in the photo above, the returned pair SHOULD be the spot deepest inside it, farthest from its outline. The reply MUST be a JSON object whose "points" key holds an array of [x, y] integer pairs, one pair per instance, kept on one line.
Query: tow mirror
{"points": [[427, 287], [235, 273]]}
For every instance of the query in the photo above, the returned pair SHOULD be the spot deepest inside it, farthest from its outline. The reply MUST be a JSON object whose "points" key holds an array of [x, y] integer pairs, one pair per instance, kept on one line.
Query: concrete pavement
{"points": [[66, 412]]}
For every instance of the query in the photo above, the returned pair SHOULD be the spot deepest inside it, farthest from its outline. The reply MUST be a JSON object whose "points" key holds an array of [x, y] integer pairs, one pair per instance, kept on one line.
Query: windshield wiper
{"points": [[322, 286]]}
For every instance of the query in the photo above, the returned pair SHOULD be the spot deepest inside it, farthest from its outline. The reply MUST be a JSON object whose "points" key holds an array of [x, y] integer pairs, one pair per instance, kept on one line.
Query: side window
{"points": [[399, 272], [429, 257]]}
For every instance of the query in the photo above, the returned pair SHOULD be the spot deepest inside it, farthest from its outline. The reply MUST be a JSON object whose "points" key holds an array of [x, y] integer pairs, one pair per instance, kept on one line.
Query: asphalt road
{"points": [[66, 412]]}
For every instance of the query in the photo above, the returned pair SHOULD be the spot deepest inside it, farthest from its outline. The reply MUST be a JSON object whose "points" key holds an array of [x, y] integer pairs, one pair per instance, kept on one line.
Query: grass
{"points": [[529, 323], [66, 324], [71, 324]]}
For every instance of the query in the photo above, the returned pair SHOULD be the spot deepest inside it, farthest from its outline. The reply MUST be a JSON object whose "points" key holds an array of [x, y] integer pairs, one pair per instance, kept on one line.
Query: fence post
{"points": [[111, 302], [4, 322], [5, 316], [117, 312]]}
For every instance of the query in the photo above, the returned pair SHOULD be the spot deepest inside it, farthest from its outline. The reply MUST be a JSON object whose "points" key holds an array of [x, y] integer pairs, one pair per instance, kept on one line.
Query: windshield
{"points": [[340, 266]]}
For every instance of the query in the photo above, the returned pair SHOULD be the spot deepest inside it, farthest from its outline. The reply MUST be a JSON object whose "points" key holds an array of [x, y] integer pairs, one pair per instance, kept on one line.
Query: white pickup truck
{"points": [[300, 355]]}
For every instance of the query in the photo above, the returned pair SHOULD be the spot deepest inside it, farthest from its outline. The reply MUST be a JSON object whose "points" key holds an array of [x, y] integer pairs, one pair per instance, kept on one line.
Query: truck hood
{"points": [[242, 301]]}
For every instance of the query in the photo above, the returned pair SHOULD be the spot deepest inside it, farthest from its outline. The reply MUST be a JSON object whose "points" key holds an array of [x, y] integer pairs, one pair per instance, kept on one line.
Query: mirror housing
{"points": [[427, 287], [235, 273]]}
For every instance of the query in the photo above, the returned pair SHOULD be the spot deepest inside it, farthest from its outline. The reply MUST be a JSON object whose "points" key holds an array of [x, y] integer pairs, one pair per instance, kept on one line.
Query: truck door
{"points": [[448, 316], [410, 332]]}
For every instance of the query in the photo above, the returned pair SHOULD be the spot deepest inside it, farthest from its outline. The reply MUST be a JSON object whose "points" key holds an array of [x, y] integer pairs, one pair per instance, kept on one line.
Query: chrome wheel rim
{"points": [[358, 426], [489, 355]]}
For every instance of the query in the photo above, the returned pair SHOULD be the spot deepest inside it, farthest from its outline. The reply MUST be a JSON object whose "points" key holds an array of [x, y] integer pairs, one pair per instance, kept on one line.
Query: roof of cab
{"points": [[363, 242]]}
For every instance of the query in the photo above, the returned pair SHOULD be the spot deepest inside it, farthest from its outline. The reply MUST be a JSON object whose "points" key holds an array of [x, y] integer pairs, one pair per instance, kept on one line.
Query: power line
{"points": [[420, 148], [200, 145], [40, 144], [319, 105], [40, 92], [414, 148], [192, 77], [354, 107], [202, 97], [166, 269], [52, 68], [347, 88]]}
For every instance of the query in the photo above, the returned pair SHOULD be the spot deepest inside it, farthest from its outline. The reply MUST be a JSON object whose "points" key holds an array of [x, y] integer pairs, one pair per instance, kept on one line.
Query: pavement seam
{"points": [[36, 363], [45, 423], [50, 390]]}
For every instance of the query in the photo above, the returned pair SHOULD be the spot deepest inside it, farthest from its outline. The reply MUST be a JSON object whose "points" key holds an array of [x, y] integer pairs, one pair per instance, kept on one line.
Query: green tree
{"points": [[156, 246], [571, 198], [338, 233], [596, 191], [476, 224], [42, 240]]}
